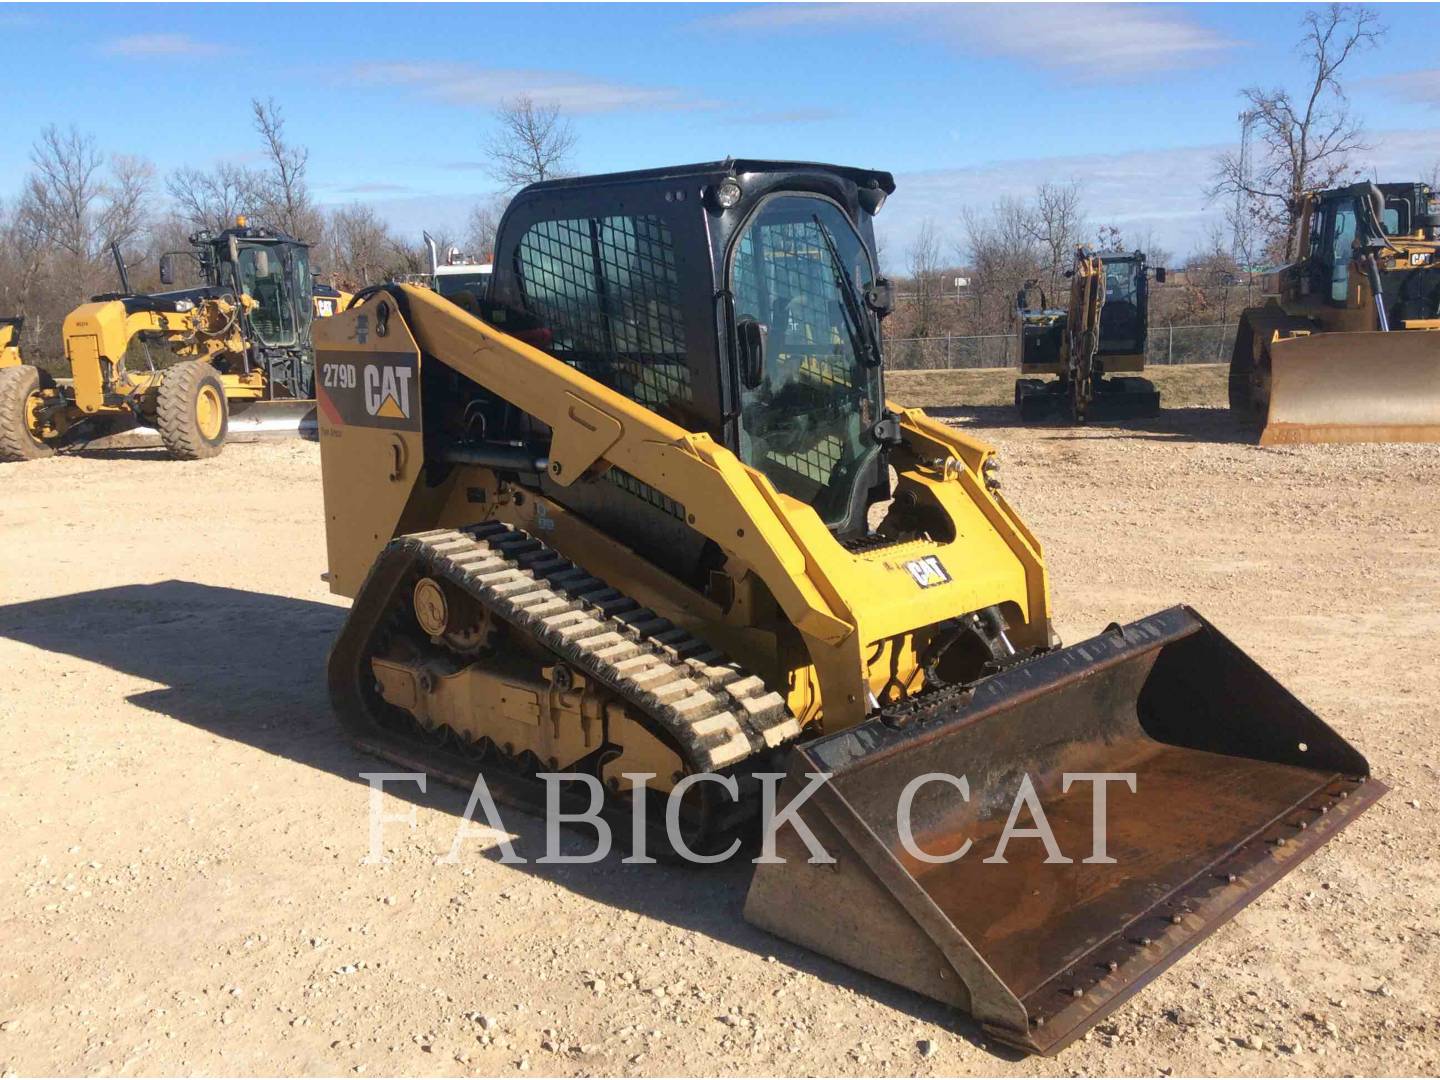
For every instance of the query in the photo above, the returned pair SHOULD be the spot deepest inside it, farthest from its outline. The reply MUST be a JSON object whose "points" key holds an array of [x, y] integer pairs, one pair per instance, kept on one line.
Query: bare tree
{"points": [[1305, 138], [362, 251], [122, 220], [283, 191], [1002, 254], [1056, 223], [65, 190], [1434, 180], [534, 142], [212, 200], [481, 227], [925, 278]]}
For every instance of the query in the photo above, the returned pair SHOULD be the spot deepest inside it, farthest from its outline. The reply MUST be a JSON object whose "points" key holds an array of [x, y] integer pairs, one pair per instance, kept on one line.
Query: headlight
{"points": [[727, 193]]}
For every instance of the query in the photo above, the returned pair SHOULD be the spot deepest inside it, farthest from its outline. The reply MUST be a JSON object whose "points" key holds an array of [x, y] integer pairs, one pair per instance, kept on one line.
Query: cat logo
{"points": [[387, 391], [324, 308], [927, 571]]}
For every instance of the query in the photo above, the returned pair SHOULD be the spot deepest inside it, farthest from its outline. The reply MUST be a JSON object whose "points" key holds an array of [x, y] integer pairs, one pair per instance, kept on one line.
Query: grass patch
{"points": [[1180, 385]]}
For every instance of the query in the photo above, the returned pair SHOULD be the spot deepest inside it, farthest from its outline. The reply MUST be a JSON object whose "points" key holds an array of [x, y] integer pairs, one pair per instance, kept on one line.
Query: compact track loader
{"points": [[648, 516], [1348, 347], [235, 354], [1087, 345]]}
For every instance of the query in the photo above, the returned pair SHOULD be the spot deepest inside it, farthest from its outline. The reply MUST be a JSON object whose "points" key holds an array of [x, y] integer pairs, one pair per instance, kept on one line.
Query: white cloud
{"points": [[161, 45], [1420, 87], [463, 84], [1088, 41]]}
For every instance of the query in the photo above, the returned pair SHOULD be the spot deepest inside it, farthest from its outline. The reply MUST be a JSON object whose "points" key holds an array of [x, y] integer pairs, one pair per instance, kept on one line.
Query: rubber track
{"points": [[717, 713]]}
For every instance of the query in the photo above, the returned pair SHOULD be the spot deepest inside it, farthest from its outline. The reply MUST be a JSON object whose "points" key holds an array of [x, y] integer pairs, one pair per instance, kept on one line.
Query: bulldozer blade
{"points": [[1359, 387], [1234, 783], [273, 419]]}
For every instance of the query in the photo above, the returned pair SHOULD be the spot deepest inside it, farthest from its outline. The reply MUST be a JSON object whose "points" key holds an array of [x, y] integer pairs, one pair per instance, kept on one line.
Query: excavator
{"points": [[1347, 348], [1102, 332], [230, 355], [646, 517]]}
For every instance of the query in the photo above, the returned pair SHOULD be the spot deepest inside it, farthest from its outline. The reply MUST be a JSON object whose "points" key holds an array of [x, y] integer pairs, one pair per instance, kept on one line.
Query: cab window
{"points": [[1342, 249], [262, 276], [606, 295]]}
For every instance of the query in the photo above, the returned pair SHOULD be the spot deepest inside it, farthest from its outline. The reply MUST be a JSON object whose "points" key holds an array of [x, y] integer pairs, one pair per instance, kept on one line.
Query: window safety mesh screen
{"points": [[607, 290]]}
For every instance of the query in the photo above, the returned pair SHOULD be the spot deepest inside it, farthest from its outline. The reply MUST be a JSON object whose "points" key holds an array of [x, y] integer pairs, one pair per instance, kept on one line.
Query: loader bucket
{"points": [[1360, 387], [1235, 783]]}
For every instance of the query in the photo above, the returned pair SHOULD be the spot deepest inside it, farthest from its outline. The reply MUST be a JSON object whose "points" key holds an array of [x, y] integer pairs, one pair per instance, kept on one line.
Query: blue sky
{"points": [[962, 103]]}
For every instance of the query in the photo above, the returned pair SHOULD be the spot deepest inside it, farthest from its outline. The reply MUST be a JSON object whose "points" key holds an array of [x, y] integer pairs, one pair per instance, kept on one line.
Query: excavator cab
{"points": [[1095, 345]]}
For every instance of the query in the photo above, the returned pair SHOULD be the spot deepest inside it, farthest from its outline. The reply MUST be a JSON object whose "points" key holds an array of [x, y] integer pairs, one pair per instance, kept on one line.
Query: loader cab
{"points": [[737, 298]]}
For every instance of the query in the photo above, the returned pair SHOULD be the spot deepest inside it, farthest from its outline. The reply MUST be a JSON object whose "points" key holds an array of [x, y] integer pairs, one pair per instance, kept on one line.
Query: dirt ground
{"points": [[181, 879]]}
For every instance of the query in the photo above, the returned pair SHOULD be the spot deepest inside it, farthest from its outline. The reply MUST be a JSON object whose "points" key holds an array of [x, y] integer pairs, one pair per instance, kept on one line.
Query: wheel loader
{"points": [[1347, 348], [647, 517], [230, 355], [1088, 344]]}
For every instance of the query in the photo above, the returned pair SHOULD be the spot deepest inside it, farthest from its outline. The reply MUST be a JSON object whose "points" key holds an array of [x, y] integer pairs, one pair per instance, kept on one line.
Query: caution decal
{"points": [[381, 391]]}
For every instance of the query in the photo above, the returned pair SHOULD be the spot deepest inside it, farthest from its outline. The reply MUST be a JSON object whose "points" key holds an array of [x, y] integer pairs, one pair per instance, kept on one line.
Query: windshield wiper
{"points": [[862, 334]]}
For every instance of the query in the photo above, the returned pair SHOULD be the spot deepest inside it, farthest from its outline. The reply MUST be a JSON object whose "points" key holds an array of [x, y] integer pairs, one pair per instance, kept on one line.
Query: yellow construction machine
{"points": [[1347, 349], [10, 341], [232, 354], [1093, 346], [647, 517]]}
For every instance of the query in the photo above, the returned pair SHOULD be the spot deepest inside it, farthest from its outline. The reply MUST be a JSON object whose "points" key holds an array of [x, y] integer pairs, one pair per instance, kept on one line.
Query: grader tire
{"points": [[17, 442], [191, 412]]}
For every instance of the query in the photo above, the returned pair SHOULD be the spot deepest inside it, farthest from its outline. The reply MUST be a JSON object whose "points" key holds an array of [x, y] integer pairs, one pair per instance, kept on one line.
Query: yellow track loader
{"points": [[198, 364], [647, 517], [1348, 347], [1101, 332]]}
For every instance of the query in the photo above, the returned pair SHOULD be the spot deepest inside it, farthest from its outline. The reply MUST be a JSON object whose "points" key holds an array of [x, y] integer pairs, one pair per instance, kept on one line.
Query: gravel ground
{"points": [[182, 886]]}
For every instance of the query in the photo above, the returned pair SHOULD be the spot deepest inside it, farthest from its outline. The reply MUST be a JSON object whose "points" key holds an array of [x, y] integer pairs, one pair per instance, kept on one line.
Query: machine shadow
{"points": [[210, 647], [1185, 424]]}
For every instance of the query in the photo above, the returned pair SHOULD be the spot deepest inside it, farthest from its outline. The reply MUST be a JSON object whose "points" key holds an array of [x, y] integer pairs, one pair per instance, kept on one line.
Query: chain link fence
{"points": [[1167, 345]]}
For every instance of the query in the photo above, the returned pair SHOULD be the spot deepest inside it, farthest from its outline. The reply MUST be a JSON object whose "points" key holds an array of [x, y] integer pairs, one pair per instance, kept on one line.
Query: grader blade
{"points": [[272, 419], [1235, 782], [1359, 387]]}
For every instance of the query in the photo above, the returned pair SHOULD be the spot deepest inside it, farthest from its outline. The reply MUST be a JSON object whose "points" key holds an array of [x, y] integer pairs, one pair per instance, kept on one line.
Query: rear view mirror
{"points": [[751, 338], [880, 297], [167, 270], [1159, 275]]}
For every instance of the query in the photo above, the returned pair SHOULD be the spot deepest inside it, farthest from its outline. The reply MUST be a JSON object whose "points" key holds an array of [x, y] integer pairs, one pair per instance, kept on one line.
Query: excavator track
{"points": [[716, 714]]}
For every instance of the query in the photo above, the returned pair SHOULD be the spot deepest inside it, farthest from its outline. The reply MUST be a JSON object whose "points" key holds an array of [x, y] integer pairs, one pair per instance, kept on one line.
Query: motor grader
{"points": [[232, 354], [648, 516], [10, 341], [1347, 348], [1092, 346]]}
